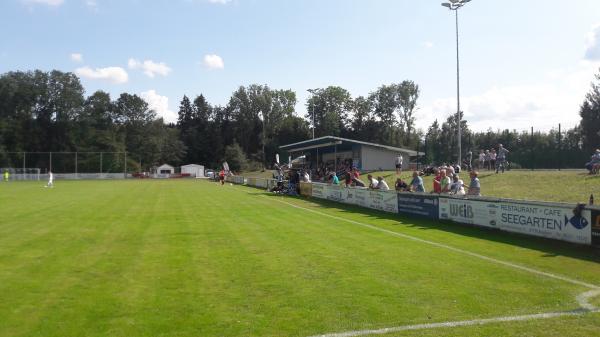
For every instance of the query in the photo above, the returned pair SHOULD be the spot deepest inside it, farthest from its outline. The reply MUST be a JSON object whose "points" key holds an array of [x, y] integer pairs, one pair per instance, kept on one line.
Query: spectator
{"points": [[399, 161], [493, 159], [501, 158], [594, 162], [358, 183], [457, 187], [416, 185], [481, 161], [306, 177], [372, 182], [333, 179], [355, 173], [437, 187], [445, 182], [401, 185], [348, 179], [469, 160], [475, 186], [382, 185]]}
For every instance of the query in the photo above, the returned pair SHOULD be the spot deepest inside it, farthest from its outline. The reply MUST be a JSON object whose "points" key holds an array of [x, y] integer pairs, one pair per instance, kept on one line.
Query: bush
{"points": [[235, 157]]}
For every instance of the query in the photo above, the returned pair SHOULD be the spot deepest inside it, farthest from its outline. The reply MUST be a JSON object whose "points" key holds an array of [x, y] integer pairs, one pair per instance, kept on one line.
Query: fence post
{"points": [[76, 176], [125, 167], [24, 156], [532, 150], [101, 164]]}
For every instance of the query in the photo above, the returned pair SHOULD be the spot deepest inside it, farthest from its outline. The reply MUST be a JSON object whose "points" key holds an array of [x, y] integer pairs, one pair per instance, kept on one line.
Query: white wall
{"points": [[194, 171], [373, 158]]}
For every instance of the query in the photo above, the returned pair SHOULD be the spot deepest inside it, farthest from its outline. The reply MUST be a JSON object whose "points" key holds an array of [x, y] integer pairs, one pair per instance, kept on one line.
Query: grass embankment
{"points": [[569, 186]]}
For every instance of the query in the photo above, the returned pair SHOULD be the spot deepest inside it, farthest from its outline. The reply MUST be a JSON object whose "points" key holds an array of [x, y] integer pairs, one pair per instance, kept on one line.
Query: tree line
{"points": [[49, 112]]}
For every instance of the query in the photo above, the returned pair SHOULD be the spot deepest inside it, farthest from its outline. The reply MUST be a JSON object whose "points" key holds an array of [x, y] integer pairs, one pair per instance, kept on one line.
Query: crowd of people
{"points": [[593, 166], [490, 160]]}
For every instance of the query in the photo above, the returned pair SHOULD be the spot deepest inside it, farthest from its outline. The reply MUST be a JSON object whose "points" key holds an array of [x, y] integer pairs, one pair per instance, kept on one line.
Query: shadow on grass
{"points": [[550, 248]]}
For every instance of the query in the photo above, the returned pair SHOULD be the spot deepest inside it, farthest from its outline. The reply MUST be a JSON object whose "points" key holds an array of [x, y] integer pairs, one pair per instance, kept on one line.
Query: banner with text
{"points": [[418, 204], [596, 227], [318, 191], [383, 200], [475, 212]]}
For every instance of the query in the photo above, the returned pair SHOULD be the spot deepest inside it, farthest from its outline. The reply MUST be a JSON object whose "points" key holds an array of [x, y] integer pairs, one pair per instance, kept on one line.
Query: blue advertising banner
{"points": [[419, 204]]}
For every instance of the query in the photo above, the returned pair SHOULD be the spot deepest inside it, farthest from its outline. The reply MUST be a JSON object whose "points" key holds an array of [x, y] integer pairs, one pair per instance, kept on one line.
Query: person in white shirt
{"points": [[372, 182], [399, 160], [382, 185], [50, 179], [306, 177], [458, 186]]}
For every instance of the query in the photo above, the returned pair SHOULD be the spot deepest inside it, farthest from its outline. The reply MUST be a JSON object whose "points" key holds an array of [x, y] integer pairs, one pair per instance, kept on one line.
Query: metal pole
{"points": [[532, 151], [313, 120], [50, 169], [335, 158], [24, 155], [100, 163], [458, 113], [125, 166], [75, 164], [559, 148]]}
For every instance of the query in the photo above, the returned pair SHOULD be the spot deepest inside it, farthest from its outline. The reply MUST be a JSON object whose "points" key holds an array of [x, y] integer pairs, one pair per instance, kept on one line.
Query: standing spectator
{"points": [[372, 182], [444, 182], [481, 161], [416, 185], [594, 162], [401, 185], [475, 186], [493, 159], [469, 160], [399, 161], [382, 185], [437, 187], [488, 158], [501, 159], [348, 179]]}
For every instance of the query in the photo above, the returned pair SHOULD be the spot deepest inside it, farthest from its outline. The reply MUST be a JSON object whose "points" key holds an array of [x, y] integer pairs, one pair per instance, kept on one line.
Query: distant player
{"points": [[222, 177], [50, 179], [6, 175], [399, 161]]}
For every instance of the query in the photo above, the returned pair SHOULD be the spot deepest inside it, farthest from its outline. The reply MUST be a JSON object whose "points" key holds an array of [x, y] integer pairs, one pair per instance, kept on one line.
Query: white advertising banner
{"points": [[318, 191], [360, 197], [383, 200], [555, 222], [482, 213], [335, 193]]}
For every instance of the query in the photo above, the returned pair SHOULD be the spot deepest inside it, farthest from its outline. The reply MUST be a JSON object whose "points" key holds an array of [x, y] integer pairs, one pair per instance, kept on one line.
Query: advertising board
{"points": [[595, 227], [334, 193], [306, 189], [418, 204], [476, 212], [318, 191], [383, 200], [555, 222]]}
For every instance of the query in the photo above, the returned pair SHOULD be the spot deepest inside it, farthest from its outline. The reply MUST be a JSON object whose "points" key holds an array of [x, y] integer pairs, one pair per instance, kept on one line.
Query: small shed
{"points": [[165, 169], [194, 170]]}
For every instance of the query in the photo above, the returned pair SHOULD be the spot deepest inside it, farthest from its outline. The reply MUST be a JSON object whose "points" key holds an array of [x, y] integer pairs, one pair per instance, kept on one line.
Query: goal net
{"points": [[20, 173]]}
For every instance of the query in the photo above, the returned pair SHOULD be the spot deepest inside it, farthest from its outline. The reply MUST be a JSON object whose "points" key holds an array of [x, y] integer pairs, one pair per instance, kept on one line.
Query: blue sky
{"points": [[523, 63]]}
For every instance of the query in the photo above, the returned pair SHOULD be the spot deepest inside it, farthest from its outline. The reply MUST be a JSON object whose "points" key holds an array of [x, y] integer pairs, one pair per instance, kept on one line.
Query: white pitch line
{"points": [[456, 323], [458, 250], [582, 299]]}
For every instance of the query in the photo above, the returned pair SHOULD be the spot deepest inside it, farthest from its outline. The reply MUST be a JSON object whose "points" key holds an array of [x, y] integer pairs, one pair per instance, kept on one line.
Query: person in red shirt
{"points": [[222, 177], [437, 186]]}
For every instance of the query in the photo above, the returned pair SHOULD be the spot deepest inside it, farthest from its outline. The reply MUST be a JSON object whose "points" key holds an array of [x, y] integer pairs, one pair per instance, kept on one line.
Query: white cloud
{"points": [[116, 75], [213, 61], [45, 2], [91, 3], [149, 67], [554, 99], [77, 57], [160, 104], [427, 44], [222, 2], [592, 48]]}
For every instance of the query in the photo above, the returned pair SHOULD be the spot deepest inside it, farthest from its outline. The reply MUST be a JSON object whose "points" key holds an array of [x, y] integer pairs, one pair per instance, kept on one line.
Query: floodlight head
{"points": [[446, 4], [454, 1]]}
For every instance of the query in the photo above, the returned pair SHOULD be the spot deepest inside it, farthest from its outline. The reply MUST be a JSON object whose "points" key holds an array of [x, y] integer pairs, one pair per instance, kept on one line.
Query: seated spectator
{"points": [[444, 182], [348, 179], [475, 186], [372, 182], [333, 179], [382, 185], [416, 185], [592, 166], [401, 185], [457, 187], [357, 182], [355, 172]]}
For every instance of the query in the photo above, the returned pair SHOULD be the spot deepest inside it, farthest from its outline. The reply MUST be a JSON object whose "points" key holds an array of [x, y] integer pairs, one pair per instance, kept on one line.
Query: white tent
{"points": [[193, 170], [165, 169]]}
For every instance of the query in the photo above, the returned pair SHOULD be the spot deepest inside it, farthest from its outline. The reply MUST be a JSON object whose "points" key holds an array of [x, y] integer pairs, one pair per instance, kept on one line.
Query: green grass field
{"points": [[193, 258]]}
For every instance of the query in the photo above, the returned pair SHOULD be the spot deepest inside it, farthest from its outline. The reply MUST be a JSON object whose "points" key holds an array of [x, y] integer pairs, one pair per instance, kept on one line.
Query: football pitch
{"points": [[193, 258]]}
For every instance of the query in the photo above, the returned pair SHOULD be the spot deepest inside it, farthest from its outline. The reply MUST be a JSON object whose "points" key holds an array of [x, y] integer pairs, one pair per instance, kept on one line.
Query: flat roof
{"points": [[332, 140]]}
